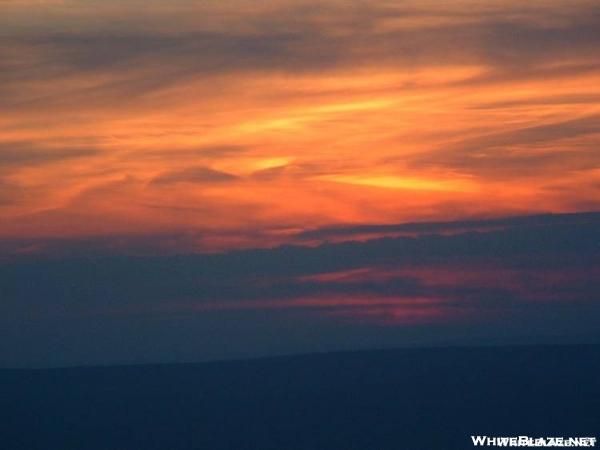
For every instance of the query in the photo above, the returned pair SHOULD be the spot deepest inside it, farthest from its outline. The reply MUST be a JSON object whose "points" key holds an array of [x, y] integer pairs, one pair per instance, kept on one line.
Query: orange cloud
{"points": [[256, 121]]}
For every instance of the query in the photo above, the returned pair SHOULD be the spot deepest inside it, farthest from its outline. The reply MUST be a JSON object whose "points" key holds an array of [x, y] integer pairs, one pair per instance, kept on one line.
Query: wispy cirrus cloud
{"points": [[19, 154], [351, 112], [193, 175]]}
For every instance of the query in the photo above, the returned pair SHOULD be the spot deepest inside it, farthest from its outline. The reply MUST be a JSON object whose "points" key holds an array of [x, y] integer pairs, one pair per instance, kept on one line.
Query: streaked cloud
{"points": [[193, 175], [317, 114], [514, 277]]}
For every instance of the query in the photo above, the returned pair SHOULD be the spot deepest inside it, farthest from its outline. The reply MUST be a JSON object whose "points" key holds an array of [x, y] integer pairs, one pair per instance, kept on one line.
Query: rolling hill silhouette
{"points": [[385, 399]]}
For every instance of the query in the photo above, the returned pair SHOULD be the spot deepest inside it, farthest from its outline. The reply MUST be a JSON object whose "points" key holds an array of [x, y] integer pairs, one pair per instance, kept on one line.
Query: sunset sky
{"points": [[191, 179]]}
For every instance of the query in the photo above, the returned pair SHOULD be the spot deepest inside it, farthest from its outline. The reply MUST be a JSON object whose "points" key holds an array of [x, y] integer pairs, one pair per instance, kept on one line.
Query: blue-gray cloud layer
{"points": [[553, 289]]}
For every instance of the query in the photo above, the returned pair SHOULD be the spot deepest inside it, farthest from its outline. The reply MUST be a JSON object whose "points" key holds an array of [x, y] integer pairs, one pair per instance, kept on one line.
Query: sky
{"points": [[189, 180]]}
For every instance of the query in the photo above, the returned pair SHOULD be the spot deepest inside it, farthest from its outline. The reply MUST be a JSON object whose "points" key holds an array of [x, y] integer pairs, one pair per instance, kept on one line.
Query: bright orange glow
{"points": [[123, 118], [411, 184]]}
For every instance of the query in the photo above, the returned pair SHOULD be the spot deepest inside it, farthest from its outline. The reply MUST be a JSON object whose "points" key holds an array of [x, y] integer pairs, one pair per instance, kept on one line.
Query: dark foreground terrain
{"points": [[378, 400]]}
